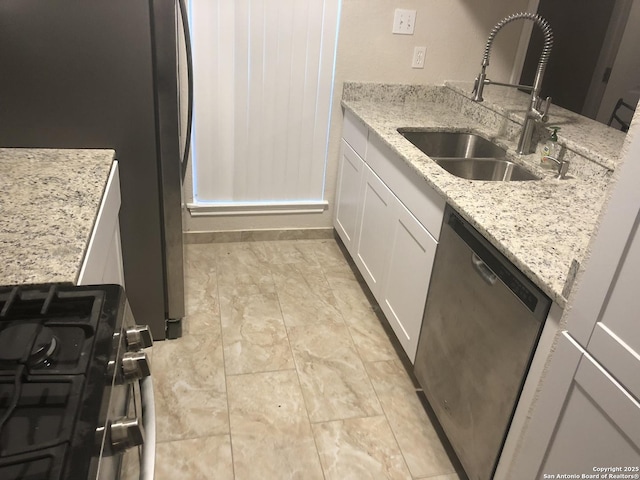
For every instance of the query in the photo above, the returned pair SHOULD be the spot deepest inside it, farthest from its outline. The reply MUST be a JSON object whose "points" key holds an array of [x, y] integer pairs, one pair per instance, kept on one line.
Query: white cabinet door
{"points": [[103, 260], [615, 341], [114, 270], [598, 427], [348, 195], [374, 236], [412, 252], [384, 229]]}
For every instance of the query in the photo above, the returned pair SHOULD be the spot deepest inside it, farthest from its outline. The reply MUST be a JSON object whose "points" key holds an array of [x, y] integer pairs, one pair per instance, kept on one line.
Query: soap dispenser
{"points": [[551, 148]]}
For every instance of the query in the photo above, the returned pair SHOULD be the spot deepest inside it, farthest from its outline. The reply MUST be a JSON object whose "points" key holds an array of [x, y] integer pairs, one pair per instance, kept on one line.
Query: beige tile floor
{"points": [[284, 371]]}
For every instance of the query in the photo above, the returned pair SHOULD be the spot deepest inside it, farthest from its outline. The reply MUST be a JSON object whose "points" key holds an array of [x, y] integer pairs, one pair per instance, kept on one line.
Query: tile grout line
{"points": [[368, 376], [224, 365], [295, 365], [384, 412], [243, 374], [355, 348], [386, 416], [270, 263]]}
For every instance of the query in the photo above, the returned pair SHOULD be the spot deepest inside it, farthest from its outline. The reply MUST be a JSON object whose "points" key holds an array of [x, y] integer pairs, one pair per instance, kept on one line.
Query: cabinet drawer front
{"points": [[599, 425], [611, 397], [617, 357], [615, 341], [355, 133], [412, 189]]}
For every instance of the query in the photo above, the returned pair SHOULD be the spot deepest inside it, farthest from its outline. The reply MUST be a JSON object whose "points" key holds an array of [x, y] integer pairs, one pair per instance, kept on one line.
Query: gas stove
{"points": [[73, 389]]}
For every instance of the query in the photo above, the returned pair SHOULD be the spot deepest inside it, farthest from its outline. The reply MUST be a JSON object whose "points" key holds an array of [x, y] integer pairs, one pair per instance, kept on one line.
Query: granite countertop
{"points": [[580, 134], [49, 201], [542, 226]]}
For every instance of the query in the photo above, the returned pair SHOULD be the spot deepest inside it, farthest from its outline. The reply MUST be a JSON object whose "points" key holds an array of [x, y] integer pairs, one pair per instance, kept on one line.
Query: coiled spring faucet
{"points": [[536, 112]]}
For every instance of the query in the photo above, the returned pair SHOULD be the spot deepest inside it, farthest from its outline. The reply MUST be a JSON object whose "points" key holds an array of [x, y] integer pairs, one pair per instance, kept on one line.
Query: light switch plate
{"points": [[404, 21]]}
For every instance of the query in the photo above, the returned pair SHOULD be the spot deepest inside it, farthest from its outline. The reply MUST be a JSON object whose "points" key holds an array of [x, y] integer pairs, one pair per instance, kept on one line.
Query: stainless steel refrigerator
{"points": [[103, 74]]}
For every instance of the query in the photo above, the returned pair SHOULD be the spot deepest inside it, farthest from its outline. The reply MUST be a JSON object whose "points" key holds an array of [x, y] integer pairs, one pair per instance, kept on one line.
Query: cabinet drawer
{"points": [[615, 341], [599, 424], [611, 397], [412, 190], [355, 133], [617, 357]]}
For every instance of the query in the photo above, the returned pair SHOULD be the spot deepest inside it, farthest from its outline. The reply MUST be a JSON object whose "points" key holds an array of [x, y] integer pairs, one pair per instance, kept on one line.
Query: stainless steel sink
{"points": [[467, 155], [487, 169], [452, 144]]}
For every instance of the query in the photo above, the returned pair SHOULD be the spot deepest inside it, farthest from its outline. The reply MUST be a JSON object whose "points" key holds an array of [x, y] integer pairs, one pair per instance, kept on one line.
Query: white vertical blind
{"points": [[263, 81]]}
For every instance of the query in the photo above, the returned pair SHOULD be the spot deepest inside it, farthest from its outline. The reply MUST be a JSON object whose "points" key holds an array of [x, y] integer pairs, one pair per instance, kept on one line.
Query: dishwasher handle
{"points": [[492, 265], [483, 270]]}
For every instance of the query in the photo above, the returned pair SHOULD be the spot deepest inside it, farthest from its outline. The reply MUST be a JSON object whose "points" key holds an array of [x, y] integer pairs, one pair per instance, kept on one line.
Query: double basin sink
{"points": [[467, 155]]}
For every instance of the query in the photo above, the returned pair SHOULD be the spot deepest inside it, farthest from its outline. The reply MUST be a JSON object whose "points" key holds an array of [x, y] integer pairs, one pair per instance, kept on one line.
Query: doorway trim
{"points": [[608, 54], [523, 44]]}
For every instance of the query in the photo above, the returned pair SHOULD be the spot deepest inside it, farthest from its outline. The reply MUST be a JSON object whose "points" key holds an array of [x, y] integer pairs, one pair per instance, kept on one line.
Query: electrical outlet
{"points": [[418, 57], [404, 21]]}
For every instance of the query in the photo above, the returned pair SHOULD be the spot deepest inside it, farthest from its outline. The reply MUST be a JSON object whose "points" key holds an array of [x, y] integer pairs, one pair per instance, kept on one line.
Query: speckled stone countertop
{"points": [[580, 134], [49, 202], [542, 226]]}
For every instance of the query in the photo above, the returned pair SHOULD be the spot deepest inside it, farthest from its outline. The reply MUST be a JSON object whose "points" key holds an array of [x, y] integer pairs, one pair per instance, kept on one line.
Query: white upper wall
{"points": [[454, 32]]}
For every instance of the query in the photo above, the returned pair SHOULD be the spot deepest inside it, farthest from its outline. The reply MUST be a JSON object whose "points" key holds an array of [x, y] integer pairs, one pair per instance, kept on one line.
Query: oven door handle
{"points": [[147, 467]]}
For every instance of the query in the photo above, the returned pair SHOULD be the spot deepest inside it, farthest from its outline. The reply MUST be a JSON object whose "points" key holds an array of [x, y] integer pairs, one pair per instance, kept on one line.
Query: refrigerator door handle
{"points": [[187, 42]]}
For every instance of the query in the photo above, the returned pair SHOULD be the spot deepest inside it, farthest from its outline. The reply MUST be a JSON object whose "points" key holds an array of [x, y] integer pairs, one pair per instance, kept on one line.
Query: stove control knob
{"points": [[138, 337], [126, 433], [135, 365]]}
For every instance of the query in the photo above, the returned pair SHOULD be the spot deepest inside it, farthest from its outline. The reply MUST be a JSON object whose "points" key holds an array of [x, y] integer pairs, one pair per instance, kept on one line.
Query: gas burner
{"points": [[57, 388], [43, 348], [27, 342]]}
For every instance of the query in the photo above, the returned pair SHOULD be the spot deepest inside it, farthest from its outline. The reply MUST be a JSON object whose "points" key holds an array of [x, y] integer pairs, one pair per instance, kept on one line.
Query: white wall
{"points": [[454, 32]]}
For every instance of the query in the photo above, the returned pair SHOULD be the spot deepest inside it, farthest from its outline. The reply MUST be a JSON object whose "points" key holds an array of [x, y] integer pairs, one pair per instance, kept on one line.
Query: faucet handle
{"points": [[544, 112], [563, 168], [478, 87], [559, 160]]}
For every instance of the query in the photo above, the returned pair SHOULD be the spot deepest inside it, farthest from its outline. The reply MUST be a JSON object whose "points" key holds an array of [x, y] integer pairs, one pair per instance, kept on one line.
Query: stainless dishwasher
{"points": [[481, 323]]}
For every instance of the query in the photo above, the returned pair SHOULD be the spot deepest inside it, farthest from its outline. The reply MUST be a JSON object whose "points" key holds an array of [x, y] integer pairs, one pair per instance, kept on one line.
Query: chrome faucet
{"points": [[537, 110], [561, 163]]}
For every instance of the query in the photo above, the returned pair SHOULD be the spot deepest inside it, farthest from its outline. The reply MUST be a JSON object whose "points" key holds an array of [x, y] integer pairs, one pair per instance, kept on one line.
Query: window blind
{"points": [[263, 81]]}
